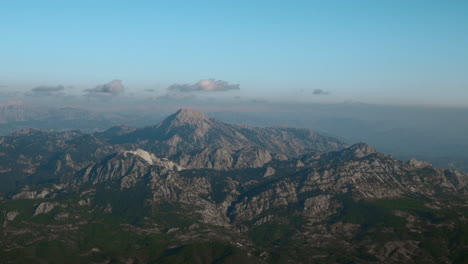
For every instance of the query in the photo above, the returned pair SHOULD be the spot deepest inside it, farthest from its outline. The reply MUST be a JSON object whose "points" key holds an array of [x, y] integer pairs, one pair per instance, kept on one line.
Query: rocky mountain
{"points": [[188, 130], [192, 189], [188, 137], [125, 167]]}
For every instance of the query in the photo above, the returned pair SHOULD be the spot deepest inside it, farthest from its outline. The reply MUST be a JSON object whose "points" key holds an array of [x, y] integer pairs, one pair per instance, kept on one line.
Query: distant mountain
{"points": [[436, 134], [193, 186], [19, 115]]}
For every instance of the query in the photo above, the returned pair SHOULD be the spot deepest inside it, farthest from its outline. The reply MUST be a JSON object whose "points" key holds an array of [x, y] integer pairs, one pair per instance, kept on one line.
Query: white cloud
{"points": [[112, 88], [209, 85]]}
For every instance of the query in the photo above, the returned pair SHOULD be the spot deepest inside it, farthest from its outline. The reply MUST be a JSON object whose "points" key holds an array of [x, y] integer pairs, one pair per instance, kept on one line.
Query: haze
{"points": [[379, 52], [392, 73]]}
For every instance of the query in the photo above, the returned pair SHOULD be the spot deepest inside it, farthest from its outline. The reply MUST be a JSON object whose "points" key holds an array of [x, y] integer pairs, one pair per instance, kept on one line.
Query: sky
{"points": [[383, 52]]}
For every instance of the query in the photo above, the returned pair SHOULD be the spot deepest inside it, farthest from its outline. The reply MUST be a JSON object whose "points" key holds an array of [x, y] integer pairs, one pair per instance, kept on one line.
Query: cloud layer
{"points": [[320, 92], [114, 87], [47, 91], [209, 85]]}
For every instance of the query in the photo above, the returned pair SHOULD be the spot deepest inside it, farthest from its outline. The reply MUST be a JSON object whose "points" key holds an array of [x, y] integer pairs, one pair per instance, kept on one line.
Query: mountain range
{"points": [[20, 115], [437, 135], [194, 189]]}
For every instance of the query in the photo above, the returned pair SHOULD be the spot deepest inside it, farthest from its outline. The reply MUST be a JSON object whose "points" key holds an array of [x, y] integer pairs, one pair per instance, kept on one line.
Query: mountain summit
{"points": [[197, 123], [188, 116], [189, 130], [360, 150]]}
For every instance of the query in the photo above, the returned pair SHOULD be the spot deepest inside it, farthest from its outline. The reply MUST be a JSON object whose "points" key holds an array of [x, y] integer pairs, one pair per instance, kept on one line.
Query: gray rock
{"points": [[31, 195], [269, 172], [10, 216], [317, 206], [61, 216], [419, 164], [44, 208]]}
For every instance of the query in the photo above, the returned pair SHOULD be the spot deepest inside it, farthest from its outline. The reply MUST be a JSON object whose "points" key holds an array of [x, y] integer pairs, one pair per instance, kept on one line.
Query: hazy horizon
{"points": [[391, 53]]}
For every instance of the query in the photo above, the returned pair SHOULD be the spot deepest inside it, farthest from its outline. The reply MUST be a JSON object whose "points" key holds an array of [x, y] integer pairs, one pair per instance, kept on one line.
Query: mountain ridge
{"points": [[286, 191], [194, 130]]}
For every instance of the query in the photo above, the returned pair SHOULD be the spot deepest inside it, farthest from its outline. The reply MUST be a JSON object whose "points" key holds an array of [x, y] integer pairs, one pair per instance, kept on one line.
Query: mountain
{"points": [[125, 167], [19, 115], [193, 189], [188, 130], [188, 137], [434, 134], [17, 111]]}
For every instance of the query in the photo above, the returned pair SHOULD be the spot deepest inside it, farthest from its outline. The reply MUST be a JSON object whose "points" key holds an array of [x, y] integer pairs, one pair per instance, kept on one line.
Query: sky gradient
{"points": [[391, 52]]}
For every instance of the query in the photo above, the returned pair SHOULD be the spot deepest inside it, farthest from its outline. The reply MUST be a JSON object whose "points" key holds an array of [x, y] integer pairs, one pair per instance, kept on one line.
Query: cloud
{"points": [[41, 89], [209, 85], [320, 92], [150, 90], [46, 91], [112, 88]]}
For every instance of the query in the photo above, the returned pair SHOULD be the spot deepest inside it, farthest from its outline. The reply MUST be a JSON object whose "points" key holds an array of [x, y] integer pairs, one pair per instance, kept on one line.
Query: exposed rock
{"points": [[10, 216], [172, 230], [280, 157], [251, 157], [31, 195], [278, 195], [221, 159], [361, 150], [300, 164], [419, 164], [317, 206], [127, 167], [108, 209], [84, 202], [44, 208], [61, 216], [269, 172]]}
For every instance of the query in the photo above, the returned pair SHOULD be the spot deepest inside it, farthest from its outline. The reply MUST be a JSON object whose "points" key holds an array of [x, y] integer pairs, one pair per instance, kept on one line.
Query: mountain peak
{"points": [[358, 150], [362, 149], [189, 116]]}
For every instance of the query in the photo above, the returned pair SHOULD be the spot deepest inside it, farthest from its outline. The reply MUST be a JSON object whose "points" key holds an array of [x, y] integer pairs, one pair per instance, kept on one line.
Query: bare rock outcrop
{"points": [[44, 208]]}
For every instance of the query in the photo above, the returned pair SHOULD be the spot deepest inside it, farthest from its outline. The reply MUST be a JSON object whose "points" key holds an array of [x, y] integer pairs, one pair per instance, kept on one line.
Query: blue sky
{"points": [[410, 52]]}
